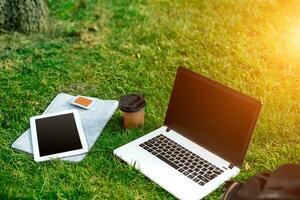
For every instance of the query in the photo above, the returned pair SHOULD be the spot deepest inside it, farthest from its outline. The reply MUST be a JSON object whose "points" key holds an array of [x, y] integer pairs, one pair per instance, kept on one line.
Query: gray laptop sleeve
{"points": [[93, 121]]}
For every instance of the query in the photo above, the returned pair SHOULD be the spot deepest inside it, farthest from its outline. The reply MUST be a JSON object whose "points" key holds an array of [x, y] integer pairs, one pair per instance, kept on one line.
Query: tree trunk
{"points": [[24, 16]]}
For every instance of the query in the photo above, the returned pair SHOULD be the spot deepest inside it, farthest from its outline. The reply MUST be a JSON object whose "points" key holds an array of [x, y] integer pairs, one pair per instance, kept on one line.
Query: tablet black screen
{"points": [[57, 134]]}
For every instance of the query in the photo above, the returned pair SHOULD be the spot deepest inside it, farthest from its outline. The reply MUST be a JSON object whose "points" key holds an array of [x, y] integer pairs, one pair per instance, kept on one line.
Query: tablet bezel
{"points": [[35, 144]]}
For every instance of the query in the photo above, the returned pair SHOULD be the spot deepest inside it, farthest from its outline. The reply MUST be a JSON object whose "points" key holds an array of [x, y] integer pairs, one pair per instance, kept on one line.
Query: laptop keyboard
{"points": [[183, 160]]}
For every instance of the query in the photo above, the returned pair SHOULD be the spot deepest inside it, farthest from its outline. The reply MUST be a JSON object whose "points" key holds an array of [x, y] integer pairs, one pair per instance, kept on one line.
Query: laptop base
{"points": [[167, 176]]}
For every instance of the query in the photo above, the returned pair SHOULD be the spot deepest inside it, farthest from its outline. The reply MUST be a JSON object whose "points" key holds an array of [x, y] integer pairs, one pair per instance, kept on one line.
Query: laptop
{"points": [[203, 141]]}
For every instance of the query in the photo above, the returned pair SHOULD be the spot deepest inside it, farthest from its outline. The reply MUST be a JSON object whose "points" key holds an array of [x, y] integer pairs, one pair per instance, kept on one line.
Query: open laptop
{"points": [[203, 142]]}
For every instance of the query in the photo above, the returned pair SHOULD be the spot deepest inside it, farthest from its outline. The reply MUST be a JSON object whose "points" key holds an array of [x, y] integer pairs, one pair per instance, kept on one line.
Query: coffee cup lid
{"points": [[131, 102]]}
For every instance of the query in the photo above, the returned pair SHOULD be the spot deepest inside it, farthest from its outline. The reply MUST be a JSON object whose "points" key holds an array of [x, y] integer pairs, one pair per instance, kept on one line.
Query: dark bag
{"points": [[282, 184]]}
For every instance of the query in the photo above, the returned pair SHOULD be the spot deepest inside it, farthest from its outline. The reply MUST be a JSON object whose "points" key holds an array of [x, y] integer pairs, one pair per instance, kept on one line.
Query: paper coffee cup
{"points": [[132, 107]]}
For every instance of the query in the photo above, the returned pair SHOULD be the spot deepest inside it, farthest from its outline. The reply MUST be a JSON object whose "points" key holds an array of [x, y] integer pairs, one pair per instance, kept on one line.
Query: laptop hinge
{"points": [[231, 166], [168, 129]]}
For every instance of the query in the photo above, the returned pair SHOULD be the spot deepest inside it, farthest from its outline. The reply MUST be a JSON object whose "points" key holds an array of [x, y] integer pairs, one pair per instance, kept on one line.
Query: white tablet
{"points": [[57, 135]]}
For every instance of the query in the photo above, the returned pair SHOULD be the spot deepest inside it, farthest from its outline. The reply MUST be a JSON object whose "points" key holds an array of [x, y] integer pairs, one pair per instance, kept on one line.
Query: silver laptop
{"points": [[203, 142]]}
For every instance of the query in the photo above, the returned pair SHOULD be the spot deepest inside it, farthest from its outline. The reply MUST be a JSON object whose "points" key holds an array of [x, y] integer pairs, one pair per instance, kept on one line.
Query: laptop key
{"points": [[151, 150], [181, 170], [196, 179], [142, 145], [186, 173], [203, 179], [213, 176], [194, 173], [191, 176], [167, 161], [192, 166], [201, 183], [208, 177], [146, 147], [217, 172]]}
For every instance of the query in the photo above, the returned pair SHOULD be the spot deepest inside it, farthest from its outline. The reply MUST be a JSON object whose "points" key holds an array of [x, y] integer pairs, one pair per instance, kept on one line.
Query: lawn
{"points": [[252, 46]]}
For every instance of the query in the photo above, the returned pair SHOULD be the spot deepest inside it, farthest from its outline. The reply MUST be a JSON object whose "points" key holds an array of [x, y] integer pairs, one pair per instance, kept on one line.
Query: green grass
{"points": [[252, 46]]}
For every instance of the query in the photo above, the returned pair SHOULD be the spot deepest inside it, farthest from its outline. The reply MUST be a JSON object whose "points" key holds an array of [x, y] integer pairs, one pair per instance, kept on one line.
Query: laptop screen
{"points": [[212, 115]]}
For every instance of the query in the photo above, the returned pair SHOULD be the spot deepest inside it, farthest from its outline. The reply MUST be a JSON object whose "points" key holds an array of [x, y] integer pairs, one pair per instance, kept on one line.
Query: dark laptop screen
{"points": [[218, 118]]}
